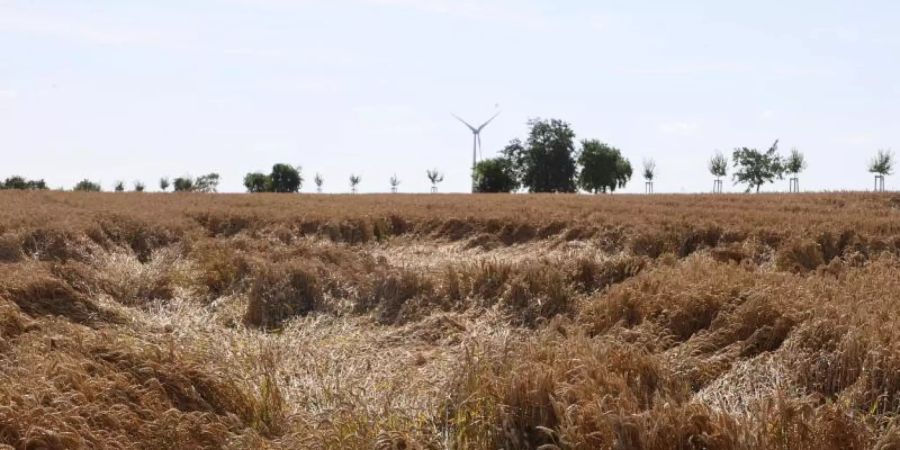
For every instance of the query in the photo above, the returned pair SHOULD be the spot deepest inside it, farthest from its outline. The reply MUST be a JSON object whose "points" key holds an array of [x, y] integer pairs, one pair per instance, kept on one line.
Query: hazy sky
{"points": [[135, 90]]}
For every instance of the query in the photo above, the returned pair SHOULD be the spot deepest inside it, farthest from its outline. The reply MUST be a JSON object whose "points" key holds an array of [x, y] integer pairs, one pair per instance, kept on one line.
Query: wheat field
{"points": [[449, 321]]}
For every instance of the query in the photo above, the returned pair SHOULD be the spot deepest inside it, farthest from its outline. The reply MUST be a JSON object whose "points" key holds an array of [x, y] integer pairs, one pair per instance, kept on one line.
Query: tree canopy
{"points": [[718, 165], [495, 175], [183, 184], [546, 162], [207, 183], [87, 186], [20, 183], [434, 176], [282, 179], [257, 182], [319, 180], [755, 168], [795, 162], [286, 179], [883, 163], [649, 169], [603, 168]]}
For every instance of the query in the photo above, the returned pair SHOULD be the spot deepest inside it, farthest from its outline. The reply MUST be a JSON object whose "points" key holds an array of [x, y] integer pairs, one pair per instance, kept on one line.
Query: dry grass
{"points": [[428, 322]]}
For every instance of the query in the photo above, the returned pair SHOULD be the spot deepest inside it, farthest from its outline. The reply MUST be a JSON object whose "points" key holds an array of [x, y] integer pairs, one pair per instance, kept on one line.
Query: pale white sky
{"points": [[136, 90]]}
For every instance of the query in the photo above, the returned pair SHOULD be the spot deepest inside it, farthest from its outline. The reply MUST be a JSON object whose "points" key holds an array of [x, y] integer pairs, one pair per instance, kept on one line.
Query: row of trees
{"points": [[20, 183], [285, 178], [756, 168], [547, 161], [207, 183]]}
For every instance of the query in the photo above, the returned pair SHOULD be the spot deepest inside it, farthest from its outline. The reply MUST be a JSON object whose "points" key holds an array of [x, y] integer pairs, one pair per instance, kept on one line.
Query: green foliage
{"points": [[434, 177], [139, 186], [795, 163], [354, 182], [649, 169], [256, 182], [20, 183], [119, 186], [286, 178], [756, 168], [207, 183], [87, 186], [395, 182], [164, 184], [495, 175], [546, 163], [283, 178], [183, 184], [603, 168], [718, 165], [319, 180], [883, 163]]}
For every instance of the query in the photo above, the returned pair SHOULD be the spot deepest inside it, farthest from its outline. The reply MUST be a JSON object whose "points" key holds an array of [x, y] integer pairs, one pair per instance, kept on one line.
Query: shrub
{"points": [[87, 186]]}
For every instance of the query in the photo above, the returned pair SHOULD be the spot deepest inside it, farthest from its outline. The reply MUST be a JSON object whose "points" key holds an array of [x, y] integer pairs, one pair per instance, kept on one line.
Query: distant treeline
{"points": [[548, 160]]}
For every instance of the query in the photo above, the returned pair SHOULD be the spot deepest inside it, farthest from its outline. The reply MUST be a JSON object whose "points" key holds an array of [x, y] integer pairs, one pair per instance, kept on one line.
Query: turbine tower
{"points": [[476, 141]]}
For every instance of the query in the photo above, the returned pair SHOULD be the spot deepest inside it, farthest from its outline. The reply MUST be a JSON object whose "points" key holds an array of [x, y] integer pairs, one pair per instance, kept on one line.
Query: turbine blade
{"points": [[464, 122], [488, 121]]}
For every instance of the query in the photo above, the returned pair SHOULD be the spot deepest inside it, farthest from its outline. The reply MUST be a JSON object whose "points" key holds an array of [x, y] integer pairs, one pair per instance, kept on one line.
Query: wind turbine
{"points": [[476, 141]]}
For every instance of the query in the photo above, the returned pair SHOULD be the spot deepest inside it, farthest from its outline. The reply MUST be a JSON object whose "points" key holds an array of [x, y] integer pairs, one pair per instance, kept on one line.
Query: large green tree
{"points": [[207, 183], [183, 184], [603, 168], [257, 182], [286, 178], [546, 162], [755, 168], [495, 175]]}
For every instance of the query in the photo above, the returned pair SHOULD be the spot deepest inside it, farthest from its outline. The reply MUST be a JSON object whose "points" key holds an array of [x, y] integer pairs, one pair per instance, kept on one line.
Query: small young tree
{"points": [[119, 186], [164, 184], [718, 166], [319, 182], [87, 186], [793, 165], [139, 186], [756, 168], [435, 177], [495, 175], [354, 182], [881, 165], [649, 173], [395, 183]]}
